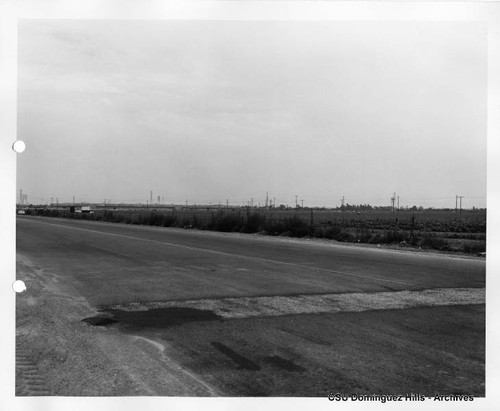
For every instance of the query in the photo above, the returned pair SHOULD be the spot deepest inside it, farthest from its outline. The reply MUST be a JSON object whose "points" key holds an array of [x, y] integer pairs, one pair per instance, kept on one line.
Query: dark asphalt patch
{"points": [[284, 364], [242, 362], [99, 320], [153, 318]]}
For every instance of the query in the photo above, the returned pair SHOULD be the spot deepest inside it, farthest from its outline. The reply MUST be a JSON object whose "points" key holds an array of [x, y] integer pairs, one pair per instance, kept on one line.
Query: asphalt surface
{"points": [[119, 269]]}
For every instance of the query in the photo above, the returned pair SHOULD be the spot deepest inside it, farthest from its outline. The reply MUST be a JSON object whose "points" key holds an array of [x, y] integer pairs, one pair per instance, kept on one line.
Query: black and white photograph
{"points": [[254, 208]]}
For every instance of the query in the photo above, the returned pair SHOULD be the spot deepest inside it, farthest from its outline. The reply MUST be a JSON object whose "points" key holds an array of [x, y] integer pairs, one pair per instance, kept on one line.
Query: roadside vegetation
{"points": [[444, 230]]}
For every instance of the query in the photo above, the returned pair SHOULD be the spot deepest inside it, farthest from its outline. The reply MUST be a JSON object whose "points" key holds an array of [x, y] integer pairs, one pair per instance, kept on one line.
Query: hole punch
{"points": [[19, 146], [18, 286]]}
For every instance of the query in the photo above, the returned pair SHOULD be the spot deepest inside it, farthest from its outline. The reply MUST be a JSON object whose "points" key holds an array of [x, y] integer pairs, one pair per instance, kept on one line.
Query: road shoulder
{"points": [[58, 354]]}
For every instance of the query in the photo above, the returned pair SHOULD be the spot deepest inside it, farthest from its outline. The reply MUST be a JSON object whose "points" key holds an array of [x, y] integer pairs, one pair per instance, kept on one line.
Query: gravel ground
{"points": [[58, 354], [243, 307]]}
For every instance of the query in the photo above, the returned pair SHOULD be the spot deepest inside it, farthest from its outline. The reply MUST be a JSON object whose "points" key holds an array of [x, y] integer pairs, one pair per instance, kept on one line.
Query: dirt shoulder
{"points": [[58, 354]]}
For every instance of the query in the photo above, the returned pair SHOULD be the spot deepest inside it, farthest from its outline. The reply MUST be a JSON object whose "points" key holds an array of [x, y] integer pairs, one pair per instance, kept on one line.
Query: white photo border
{"points": [[12, 11]]}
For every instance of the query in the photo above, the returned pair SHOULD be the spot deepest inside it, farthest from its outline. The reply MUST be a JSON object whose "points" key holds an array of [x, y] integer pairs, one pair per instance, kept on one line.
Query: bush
{"points": [[363, 235], [255, 222], [297, 227], [395, 236], [168, 220], [430, 240], [275, 227], [225, 222], [476, 247], [155, 219], [332, 232], [186, 222]]}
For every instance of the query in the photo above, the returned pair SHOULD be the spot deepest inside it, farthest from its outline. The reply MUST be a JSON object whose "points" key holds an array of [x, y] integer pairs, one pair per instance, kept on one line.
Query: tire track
{"points": [[29, 382]]}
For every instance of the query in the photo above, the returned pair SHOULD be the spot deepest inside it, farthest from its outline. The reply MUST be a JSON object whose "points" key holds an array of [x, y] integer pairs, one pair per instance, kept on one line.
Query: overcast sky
{"points": [[206, 111]]}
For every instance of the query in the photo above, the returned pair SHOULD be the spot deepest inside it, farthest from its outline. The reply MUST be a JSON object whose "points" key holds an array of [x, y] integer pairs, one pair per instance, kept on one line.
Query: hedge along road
{"points": [[117, 270]]}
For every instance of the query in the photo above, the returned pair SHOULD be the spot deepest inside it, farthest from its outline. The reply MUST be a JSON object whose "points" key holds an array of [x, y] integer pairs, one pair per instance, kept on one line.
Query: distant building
{"points": [[23, 198]]}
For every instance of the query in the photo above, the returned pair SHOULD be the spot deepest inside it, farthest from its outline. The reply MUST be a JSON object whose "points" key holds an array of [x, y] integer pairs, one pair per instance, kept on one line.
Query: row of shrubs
{"points": [[291, 226], [449, 225]]}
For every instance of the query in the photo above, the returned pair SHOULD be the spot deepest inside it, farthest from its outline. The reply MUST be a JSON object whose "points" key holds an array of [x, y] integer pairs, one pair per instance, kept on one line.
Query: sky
{"points": [[216, 111]]}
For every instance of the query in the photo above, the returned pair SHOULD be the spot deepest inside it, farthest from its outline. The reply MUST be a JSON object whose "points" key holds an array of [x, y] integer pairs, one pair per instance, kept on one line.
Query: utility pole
{"points": [[398, 203], [151, 196], [460, 203], [302, 201], [296, 204], [267, 199], [393, 200], [456, 203]]}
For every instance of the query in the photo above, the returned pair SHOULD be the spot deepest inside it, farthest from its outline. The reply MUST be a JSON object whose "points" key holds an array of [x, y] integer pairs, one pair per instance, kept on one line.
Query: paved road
{"points": [[181, 274]]}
